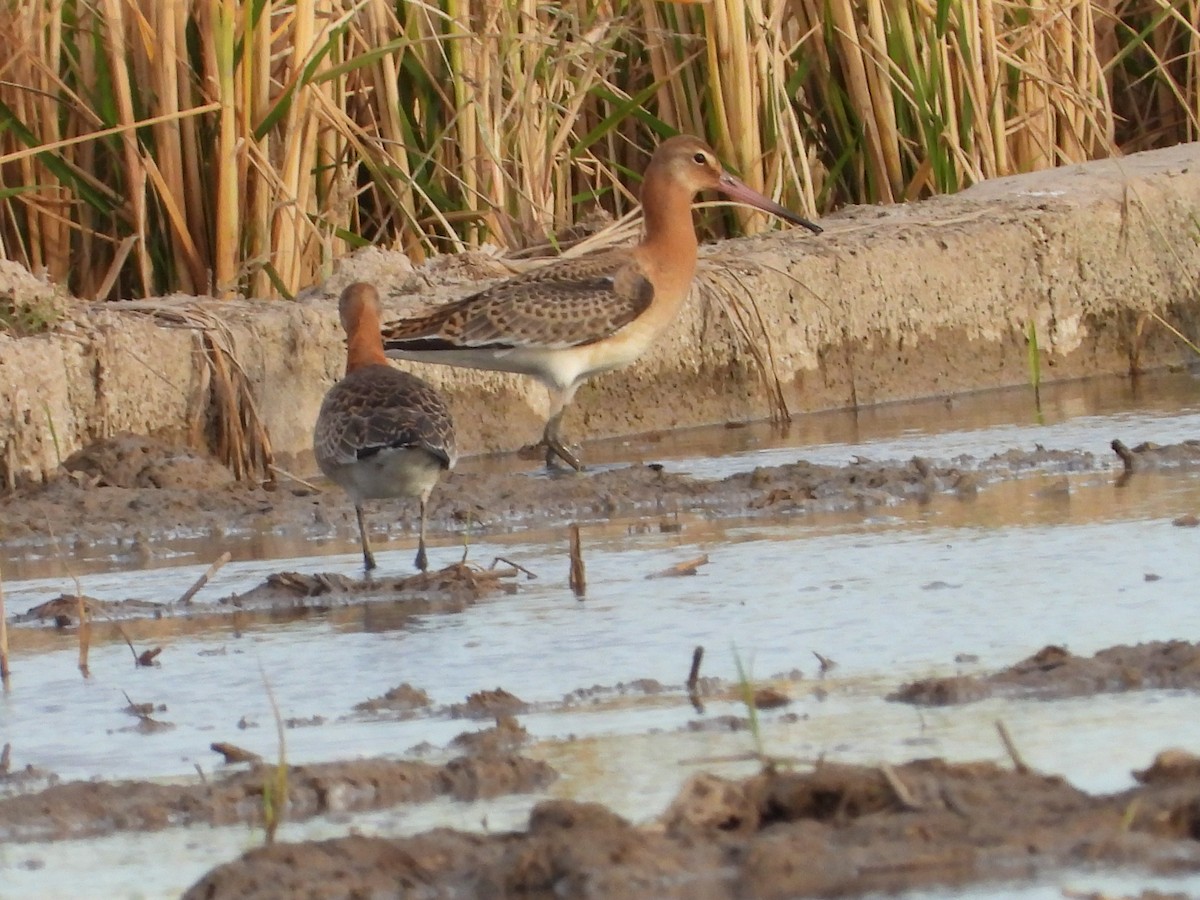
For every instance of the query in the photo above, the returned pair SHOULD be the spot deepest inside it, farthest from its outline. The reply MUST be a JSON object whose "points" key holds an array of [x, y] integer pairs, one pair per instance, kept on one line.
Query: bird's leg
{"points": [[554, 446], [368, 556], [422, 558]]}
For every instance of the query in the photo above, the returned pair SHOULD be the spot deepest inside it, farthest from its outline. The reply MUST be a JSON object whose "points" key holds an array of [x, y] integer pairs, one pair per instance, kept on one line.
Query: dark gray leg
{"points": [[555, 446], [422, 559], [368, 556]]}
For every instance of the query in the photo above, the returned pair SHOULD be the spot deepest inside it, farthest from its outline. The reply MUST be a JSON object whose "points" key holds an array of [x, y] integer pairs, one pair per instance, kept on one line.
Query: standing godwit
{"points": [[381, 433], [572, 319]]}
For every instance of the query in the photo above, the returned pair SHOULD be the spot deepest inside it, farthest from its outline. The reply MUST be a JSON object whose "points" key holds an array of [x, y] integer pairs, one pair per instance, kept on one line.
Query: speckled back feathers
{"points": [[376, 408], [568, 304]]}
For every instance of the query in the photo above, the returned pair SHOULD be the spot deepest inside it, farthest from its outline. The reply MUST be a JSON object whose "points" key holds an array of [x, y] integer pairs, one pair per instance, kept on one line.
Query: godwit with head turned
{"points": [[572, 319], [381, 432]]}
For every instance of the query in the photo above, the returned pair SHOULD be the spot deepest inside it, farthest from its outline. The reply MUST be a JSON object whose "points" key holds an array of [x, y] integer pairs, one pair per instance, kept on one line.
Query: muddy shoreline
{"points": [[927, 822]]}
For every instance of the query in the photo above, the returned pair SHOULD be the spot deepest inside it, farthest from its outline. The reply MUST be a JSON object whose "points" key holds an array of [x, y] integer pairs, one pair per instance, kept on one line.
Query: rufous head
{"points": [[692, 164], [357, 300]]}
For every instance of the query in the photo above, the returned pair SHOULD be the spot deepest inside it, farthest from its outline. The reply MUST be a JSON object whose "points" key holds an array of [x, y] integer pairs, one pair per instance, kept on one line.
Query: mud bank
{"points": [[108, 495], [87, 809], [825, 829], [890, 303], [837, 831]]}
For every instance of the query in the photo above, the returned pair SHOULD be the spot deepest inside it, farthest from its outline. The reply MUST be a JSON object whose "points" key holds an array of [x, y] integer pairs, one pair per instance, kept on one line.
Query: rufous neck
{"points": [[364, 345], [667, 212]]}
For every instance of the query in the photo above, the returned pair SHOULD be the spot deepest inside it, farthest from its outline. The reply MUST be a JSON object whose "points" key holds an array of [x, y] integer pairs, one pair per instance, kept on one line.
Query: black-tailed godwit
{"points": [[572, 319], [381, 433]]}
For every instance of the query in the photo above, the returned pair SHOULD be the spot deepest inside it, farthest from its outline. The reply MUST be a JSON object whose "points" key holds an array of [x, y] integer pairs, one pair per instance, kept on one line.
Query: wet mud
{"points": [[1054, 673], [89, 809], [835, 831], [108, 498], [831, 829]]}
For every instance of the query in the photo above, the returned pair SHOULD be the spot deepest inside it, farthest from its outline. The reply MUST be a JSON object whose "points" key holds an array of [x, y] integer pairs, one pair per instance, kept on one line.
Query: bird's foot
{"points": [[556, 450], [552, 454]]}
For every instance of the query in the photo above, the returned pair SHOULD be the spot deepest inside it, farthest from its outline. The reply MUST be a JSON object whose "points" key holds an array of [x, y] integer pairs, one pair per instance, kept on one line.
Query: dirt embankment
{"points": [[889, 303]]}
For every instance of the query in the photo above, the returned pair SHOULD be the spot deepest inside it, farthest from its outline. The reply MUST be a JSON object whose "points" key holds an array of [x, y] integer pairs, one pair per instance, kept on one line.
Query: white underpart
{"points": [[392, 472]]}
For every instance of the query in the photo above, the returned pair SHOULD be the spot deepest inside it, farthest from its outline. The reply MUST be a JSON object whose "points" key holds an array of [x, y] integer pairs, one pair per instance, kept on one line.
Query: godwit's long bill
{"points": [[381, 433], [572, 319]]}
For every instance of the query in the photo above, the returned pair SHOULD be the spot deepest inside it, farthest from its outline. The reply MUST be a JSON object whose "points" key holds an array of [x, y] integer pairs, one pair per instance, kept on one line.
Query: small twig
{"points": [[825, 663], [203, 579], [141, 710], [200, 772], [688, 567], [296, 478], [694, 674], [5, 758], [578, 578], [693, 680], [517, 566], [1127, 457], [899, 788], [1013, 754]]}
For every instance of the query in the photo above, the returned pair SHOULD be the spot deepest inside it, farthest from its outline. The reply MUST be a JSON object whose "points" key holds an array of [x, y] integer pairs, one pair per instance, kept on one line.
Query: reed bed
{"points": [[242, 146]]}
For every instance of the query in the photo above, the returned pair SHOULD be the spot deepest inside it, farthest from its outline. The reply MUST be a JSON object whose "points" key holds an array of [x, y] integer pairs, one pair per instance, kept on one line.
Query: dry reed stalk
{"points": [[439, 125], [224, 397], [993, 88], [877, 67], [256, 101], [168, 163], [204, 579], [134, 171], [221, 80], [858, 88], [736, 302]]}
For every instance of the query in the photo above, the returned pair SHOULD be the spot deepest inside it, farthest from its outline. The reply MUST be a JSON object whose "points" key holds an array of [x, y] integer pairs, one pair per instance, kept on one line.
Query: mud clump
{"points": [[507, 736], [1054, 673], [136, 461], [404, 698], [1148, 456], [450, 589], [489, 704], [836, 831]]}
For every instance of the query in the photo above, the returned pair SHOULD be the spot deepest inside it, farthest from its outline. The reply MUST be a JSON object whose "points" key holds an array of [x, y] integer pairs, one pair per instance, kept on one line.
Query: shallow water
{"points": [[891, 595]]}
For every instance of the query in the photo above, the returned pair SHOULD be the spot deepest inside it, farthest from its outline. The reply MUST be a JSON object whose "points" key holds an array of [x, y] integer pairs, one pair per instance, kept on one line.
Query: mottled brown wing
{"points": [[379, 407], [566, 304]]}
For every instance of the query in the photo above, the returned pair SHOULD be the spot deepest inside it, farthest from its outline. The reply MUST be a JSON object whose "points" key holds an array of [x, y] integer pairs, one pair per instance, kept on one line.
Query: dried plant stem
{"points": [[578, 577], [203, 579], [1013, 753]]}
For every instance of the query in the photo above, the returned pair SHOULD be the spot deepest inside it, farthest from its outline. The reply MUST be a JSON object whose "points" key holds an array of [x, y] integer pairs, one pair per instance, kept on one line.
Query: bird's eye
{"points": [[700, 158]]}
